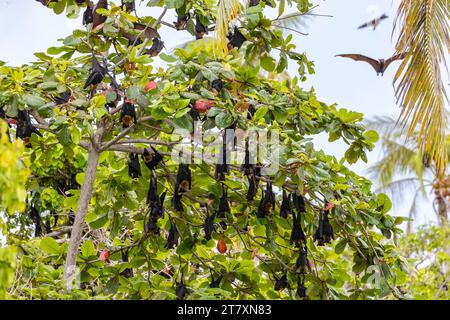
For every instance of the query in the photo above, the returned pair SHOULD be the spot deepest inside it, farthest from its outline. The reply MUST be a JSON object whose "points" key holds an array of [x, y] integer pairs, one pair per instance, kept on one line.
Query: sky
{"points": [[353, 85]]}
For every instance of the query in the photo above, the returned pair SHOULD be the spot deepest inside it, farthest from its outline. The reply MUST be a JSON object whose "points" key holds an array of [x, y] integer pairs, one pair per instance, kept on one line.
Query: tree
{"points": [[403, 168], [131, 240], [424, 36]]}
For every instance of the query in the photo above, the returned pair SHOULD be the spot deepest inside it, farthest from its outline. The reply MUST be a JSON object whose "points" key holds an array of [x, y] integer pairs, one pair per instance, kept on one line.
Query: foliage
{"points": [[424, 36], [118, 258], [428, 251]]}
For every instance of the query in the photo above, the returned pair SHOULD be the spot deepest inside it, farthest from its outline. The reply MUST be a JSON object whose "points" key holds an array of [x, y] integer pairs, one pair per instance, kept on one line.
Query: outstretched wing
{"points": [[399, 56], [365, 25], [359, 57]]}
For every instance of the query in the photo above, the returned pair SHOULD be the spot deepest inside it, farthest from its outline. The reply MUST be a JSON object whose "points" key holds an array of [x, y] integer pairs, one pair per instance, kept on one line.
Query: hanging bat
{"points": [[269, 198], [215, 283], [299, 202], [182, 20], [180, 290], [297, 235], [176, 201], [301, 289], [224, 206], [200, 29], [236, 39], [36, 218], [281, 283], [302, 262], [374, 23], [88, 16], [128, 114], [285, 208], [217, 84], [152, 160], [156, 48], [127, 273], [172, 238], [129, 5], [97, 74], [134, 167], [380, 65], [152, 194], [62, 98], [97, 18], [250, 112], [184, 180], [25, 128], [208, 226], [328, 233], [252, 188]]}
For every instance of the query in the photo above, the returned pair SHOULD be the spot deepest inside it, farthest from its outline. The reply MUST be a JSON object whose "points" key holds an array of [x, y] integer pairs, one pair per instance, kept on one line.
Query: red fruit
{"points": [[104, 255], [221, 246], [329, 206], [150, 86], [203, 105]]}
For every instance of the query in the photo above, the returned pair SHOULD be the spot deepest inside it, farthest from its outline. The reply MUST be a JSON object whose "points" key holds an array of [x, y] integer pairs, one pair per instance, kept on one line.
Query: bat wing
{"points": [[359, 57], [399, 56], [365, 25]]}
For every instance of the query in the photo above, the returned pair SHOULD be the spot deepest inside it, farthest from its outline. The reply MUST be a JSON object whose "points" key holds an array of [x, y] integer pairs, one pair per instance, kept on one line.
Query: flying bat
{"points": [[380, 65], [374, 23]]}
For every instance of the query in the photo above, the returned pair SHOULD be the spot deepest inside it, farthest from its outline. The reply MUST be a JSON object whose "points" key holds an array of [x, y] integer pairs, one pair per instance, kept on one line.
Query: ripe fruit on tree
{"points": [[150, 86], [221, 245], [203, 105], [104, 255]]}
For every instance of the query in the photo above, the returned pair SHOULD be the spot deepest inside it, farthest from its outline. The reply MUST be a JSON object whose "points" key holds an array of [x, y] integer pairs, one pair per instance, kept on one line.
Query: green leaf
{"points": [[49, 246], [260, 112], [33, 100], [88, 248], [268, 63]]}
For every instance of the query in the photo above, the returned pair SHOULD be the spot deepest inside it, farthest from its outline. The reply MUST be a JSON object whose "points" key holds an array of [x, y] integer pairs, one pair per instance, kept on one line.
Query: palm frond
{"points": [[424, 36], [227, 12]]}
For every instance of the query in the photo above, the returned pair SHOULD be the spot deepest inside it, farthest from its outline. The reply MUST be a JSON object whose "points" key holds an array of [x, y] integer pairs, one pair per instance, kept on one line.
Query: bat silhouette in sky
{"points": [[380, 65], [374, 23]]}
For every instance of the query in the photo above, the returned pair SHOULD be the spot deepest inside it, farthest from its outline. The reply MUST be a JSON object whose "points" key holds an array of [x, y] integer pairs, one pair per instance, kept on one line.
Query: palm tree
{"points": [[424, 36], [403, 168]]}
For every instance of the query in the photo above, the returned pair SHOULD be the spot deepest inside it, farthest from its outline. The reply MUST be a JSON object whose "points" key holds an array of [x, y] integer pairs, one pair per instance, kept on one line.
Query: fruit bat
{"points": [[98, 19], [128, 114], [297, 235], [36, 218], [261, 213], [156, 48], [252, 188], [250, 112], [281, 283], [217, 84], [195, 115], [182, 20], [299, 203], [80, 1], [127, 273], [302, 261], [176, 201], [380, 65], [374, 23], [224, 206], [152, 194], [301, 289], [129, 5], [97, 74], [256, 2], [180, 290], [222, 166], [285, 208], [208, 226], [25, 128], [200, 29], [247, 167], [184, 180], [327, 228], [215, 283], [62, 98], [172, 238], [269, 199], [236, 39], [152, 160], [88, 16], [134, 167]]}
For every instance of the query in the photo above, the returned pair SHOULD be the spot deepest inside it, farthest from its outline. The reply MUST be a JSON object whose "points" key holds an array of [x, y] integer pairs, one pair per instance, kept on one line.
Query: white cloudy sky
{"points": [[28, 27]]}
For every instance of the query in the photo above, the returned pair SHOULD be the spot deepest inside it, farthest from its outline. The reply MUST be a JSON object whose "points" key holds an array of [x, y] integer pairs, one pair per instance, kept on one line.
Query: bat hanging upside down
{"points": [[380, 65]]}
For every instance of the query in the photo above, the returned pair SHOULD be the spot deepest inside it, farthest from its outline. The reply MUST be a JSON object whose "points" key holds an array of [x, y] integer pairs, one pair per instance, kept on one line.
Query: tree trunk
{"points": [[83, 205], [441, 207]]}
